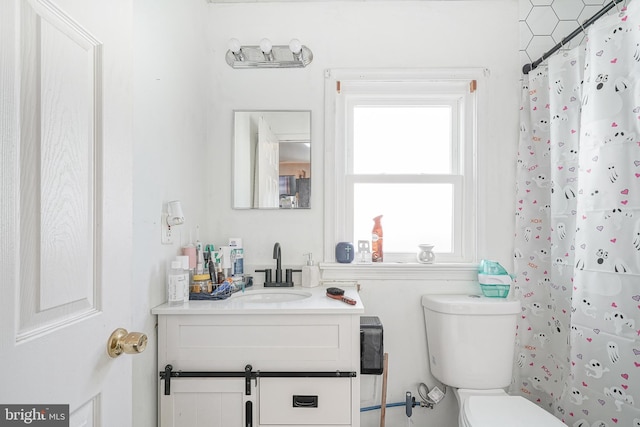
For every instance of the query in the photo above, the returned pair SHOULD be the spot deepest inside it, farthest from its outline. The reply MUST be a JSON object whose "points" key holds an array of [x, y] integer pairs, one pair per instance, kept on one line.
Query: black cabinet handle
{"points": [[300, 401], [248, 414]]}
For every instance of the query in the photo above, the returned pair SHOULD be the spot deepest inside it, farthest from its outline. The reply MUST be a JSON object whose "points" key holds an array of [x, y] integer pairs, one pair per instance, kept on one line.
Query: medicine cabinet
{"points": [[271, 160]]}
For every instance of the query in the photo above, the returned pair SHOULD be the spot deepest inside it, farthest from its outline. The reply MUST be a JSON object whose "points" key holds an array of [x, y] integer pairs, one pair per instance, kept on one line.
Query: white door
{"points": [[65, 210], [268, 161]]}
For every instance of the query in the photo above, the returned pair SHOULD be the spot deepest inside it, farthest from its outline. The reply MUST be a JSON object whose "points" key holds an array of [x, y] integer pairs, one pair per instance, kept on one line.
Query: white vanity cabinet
{"points": [[245, 364]]}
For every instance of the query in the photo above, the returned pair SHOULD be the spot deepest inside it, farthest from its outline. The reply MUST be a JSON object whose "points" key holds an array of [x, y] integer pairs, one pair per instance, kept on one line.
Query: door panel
{"points": [[66, 205], [210, 402], [59, 180]]}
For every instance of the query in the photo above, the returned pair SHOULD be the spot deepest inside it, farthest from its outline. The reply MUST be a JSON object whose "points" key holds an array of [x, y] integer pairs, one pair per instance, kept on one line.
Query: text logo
{"points": [[34, 415]]}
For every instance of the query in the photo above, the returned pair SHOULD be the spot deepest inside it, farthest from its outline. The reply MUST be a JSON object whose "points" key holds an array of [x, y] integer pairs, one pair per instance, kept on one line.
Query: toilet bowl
{"points": [[495, 408], [471, 343]]}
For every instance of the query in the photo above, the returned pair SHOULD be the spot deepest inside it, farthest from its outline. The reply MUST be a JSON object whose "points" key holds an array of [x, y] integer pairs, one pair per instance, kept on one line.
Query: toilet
{"points": [[471, 347]]}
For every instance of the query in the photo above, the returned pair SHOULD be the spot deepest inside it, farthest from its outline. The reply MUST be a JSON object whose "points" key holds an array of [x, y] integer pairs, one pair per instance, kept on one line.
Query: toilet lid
{"points": [[492, 411]]}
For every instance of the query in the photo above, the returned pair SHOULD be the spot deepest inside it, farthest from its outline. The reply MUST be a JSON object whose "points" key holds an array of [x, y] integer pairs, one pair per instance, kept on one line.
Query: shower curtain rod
{"points": [[528, 67]]}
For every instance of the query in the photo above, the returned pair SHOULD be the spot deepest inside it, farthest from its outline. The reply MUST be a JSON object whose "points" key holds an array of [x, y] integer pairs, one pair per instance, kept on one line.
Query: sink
{"points": [[271, 296]]}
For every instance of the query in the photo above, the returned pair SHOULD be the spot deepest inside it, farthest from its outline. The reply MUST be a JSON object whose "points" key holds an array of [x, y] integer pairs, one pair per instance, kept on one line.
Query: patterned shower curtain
{"points": [[577, 242]]}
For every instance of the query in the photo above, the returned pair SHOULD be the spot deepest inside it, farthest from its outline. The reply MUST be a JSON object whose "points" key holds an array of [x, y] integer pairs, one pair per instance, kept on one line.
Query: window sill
{"points": [[398, 270]]}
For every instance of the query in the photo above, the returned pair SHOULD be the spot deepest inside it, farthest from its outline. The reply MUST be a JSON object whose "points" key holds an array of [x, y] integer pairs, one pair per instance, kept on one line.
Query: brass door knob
{"points": [[122, 341]]}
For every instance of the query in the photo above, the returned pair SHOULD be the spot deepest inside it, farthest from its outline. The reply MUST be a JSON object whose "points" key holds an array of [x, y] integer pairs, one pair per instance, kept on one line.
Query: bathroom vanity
{"points": [[264, 357]]}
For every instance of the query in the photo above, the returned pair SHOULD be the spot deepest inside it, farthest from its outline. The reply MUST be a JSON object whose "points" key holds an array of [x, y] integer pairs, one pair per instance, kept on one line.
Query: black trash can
{"points": [[371, 345]]}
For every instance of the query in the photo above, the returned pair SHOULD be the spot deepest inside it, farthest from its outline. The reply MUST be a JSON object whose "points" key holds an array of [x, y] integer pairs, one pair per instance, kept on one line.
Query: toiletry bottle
{"points": [[199, 257], [219, 274], [184, 261], [187, 275], [237, 256], [190, 251], [177, 284], [310, 273], [376, 240], [227, 262]]}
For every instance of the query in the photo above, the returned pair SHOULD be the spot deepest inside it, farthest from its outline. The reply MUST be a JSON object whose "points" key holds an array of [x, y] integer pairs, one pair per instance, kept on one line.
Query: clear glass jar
{"points": [[201, 284]]}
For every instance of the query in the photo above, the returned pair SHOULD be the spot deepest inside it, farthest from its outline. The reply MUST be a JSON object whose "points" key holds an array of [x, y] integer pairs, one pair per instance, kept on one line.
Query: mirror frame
{"points": [[235, 159]]}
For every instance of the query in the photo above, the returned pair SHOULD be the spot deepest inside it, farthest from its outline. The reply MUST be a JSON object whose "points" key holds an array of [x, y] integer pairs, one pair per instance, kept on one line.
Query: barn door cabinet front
{"points": [[253, 370]]}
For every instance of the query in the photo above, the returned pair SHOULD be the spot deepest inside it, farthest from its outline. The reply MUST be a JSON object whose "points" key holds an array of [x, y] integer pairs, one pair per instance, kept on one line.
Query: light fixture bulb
{"points": [[295, 46], [234, 45], [265, 45]]}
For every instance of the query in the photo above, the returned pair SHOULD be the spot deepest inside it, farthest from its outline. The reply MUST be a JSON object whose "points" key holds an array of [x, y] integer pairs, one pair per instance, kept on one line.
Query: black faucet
{"points": [[277, 255], [278, 282]]}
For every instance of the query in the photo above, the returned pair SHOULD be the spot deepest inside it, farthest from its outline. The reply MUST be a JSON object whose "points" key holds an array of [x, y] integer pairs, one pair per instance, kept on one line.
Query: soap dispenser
{"points": [[310, 273]]}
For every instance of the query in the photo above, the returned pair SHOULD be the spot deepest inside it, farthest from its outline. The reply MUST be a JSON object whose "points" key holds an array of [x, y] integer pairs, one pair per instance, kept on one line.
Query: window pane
{"points": [[412, 214], [402, 139]]}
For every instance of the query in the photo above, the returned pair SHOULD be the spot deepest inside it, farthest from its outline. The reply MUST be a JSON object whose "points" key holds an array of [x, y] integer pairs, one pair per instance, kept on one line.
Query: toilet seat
{"points": [[492, 411]]}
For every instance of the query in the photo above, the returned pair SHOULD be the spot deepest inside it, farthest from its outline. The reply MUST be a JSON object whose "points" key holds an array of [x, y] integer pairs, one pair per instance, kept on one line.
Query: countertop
{"points": [[245, 303]]}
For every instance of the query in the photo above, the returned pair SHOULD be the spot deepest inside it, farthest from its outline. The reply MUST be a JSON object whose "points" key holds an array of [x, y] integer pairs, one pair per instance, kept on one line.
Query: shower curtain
{"points": [[577, 241]]}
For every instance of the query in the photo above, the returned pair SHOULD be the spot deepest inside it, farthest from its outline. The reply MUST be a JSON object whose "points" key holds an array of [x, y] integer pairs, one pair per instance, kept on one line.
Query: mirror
{"points": [[271, 160]]}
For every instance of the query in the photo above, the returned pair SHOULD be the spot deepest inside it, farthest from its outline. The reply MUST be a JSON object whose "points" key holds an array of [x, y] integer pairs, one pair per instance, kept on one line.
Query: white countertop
{"points": [[253, 301]]}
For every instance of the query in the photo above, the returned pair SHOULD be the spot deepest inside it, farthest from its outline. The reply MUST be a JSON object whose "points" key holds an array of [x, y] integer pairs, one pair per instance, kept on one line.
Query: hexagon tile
{"points": [[544, 23]]}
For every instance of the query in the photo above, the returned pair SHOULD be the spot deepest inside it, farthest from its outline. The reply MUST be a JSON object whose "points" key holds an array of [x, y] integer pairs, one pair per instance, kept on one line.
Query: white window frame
{"points": [[343, 89]]}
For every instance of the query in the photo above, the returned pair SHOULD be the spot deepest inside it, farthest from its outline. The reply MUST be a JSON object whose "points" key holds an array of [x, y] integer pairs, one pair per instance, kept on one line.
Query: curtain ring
{"points": [[617, 5], [583, 30]]}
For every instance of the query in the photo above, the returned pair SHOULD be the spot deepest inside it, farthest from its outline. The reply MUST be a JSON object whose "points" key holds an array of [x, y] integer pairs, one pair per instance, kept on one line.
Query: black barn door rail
{"points": [[248, 375]]}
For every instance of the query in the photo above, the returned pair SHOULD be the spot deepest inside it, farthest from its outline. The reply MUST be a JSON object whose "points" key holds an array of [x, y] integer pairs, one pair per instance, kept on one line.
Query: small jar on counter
{"points": [[201, 284]]}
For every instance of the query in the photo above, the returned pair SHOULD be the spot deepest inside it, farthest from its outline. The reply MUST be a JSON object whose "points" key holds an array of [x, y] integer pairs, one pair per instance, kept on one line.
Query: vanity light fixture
{"points": [[266, 55], [236, 49], [296, 49], [267, 49]]}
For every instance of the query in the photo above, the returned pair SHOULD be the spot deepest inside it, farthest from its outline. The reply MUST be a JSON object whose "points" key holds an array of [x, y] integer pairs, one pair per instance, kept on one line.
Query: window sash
{"points": [[455, 102], [457, 182]]}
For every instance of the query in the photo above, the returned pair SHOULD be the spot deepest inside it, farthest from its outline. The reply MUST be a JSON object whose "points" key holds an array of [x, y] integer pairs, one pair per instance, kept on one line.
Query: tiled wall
{"points": [[544, 23]]}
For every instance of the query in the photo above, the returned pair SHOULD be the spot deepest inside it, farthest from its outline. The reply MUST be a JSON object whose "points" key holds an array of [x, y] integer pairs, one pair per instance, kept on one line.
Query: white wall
{"points": [[380, 34], [418, 34], [170, 116]]}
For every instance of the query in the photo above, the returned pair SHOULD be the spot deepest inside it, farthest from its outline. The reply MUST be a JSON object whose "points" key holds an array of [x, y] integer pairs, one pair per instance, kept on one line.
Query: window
{"points": [[403, 147]]}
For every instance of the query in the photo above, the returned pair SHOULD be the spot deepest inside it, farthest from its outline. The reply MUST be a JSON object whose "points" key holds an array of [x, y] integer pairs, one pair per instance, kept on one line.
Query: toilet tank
{"points": [[471, 339]]}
